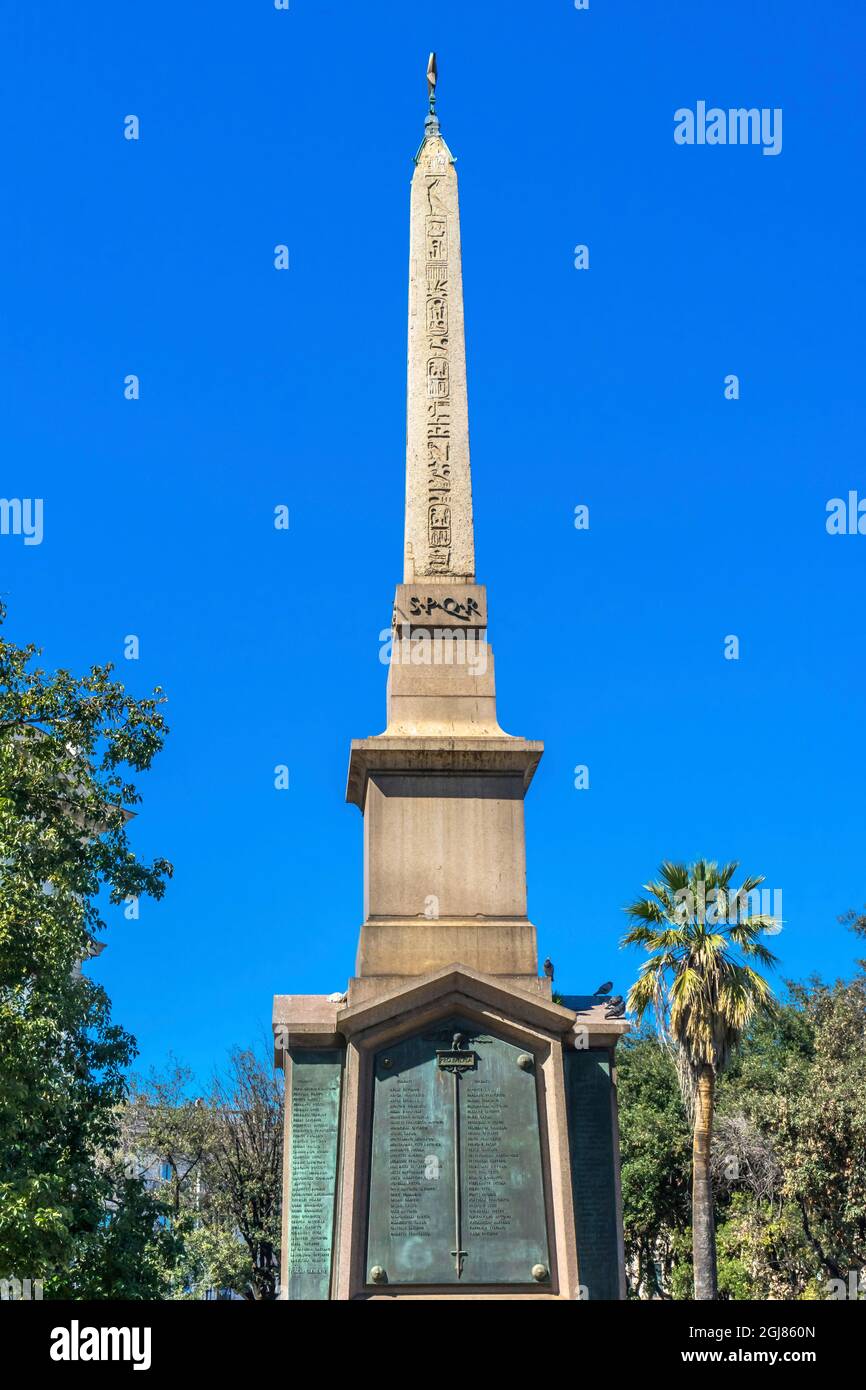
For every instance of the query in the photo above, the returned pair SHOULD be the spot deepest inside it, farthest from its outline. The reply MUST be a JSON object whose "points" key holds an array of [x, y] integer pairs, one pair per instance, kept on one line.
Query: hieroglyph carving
{"points": [[438, 379]]}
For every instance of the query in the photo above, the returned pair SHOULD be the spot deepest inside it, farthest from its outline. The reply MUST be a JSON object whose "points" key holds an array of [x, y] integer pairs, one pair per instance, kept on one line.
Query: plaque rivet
{"points": [[386, 1062], [525, 1061], [539, 1273], [379, 1276]]}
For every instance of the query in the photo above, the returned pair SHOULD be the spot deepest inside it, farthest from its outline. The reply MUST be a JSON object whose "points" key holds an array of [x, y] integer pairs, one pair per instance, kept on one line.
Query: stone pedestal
{"points": [[444, 859]]}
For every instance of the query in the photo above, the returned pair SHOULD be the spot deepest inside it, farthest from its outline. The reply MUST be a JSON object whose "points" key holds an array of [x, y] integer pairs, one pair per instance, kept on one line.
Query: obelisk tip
{"points": [[431, 123], [432, 75]]}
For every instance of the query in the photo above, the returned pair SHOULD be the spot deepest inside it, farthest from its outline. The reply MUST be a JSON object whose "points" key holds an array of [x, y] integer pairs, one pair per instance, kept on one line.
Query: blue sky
{"points": [[603, 387]]}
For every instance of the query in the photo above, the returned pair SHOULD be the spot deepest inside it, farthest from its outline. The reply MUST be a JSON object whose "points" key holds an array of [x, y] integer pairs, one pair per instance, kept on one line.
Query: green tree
{"points": [[701, 985], [654, 1153], [817, 1115], [68, 745], [222, 1156], [797, 1097], [788, 1152], [247, 1101]]}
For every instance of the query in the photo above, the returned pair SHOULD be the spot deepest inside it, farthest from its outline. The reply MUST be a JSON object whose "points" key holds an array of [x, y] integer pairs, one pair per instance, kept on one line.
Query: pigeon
{"points": [[338, 997], [605, 988], [615, 1007], [548, 968]]}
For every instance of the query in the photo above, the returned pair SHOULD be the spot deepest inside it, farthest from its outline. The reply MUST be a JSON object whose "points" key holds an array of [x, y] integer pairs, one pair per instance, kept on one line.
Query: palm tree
{"points": [[702, 988]]}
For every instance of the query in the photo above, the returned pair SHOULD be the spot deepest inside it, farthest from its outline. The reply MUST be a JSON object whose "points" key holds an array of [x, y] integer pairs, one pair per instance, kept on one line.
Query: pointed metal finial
{"points": [[432, 74], [431, 120]]}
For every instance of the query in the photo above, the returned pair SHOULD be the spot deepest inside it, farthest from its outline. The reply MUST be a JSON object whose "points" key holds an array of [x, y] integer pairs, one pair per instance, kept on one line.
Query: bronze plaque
{"points": [[456, 1191], [313, 1131]]}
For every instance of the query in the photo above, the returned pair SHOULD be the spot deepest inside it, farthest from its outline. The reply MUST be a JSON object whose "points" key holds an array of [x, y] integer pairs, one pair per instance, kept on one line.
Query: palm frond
{"points": [[675, 876], [645, 910], [726, 872], [698, 980], [749, 885]]}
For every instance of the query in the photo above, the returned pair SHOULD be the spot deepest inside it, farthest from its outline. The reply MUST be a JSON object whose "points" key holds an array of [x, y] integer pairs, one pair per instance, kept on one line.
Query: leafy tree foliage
{"points": [[222, 1155], [247, 1163], [68, 745], [656, 1158]]}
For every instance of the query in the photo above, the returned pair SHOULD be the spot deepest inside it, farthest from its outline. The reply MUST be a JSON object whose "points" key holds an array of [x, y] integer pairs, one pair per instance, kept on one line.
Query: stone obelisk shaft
{"points": [[440, 542]]}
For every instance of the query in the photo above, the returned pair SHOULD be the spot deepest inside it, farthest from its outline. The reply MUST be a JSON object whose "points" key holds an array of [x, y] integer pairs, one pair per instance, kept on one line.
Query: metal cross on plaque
{"points": [[457, 1060]]}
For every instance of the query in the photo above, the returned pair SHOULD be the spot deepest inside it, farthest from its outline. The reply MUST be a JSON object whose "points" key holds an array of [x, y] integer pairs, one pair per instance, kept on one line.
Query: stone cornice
{"points": [[488, 756]]}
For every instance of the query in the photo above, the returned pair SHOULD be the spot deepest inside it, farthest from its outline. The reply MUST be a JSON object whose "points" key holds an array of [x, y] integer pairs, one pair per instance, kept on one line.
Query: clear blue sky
{"points": [[603, 387]]}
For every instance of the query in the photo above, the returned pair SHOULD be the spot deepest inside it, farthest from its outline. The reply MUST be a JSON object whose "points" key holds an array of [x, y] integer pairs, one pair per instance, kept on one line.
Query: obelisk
{"points": [[450, 1125], [442, 788], [439, 543]]}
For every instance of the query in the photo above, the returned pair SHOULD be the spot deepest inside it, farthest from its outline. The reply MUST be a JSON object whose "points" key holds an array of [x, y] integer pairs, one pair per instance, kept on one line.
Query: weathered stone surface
{"points": [[438, 754], [303, 1020], [496, 997], [420, 946], [366, 988], [442, 789], [440, 846], [458, 606], [439, 541]]}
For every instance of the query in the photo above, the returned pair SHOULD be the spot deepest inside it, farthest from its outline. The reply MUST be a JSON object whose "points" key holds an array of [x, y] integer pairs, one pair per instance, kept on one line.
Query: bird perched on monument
{"points": [[615, 1007], [605, 988], [547, 967]]}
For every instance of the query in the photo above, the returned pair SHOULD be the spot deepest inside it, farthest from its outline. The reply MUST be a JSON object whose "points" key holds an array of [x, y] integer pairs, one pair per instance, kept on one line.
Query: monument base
{"points": [[453, 1136]]}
